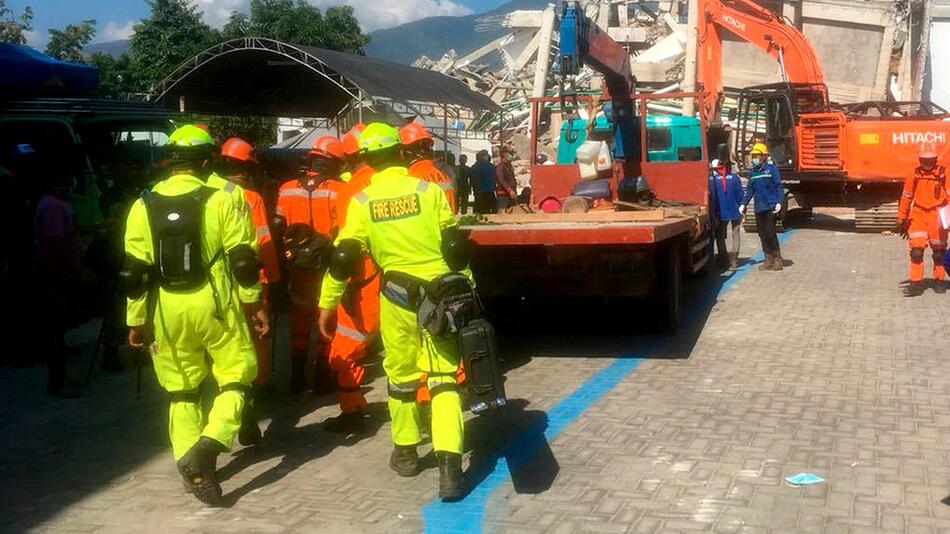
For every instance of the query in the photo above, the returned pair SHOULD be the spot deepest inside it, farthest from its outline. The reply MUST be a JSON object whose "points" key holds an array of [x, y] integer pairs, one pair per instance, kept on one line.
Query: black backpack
{"points": [[177, 224]]}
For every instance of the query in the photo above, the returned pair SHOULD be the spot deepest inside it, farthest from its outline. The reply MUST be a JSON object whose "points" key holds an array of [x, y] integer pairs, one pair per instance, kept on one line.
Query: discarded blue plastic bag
{"points": [[804, 479]]}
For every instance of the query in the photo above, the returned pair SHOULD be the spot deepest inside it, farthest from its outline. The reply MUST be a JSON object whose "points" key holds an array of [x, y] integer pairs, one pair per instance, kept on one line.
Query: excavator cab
{"points": [[769, 114]]}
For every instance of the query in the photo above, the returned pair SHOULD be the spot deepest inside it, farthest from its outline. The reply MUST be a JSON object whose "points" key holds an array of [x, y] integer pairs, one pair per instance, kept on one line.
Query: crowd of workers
{"points": [[364, 240], [923, 214], [363, 237]]}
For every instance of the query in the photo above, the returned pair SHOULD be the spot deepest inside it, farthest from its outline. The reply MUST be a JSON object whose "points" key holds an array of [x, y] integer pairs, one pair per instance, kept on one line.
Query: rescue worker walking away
{"points": [[307, 206], [725, 192], [188, 257], [765, 186], [358, 313], [407, 226], [232, 175], [919, 219]]}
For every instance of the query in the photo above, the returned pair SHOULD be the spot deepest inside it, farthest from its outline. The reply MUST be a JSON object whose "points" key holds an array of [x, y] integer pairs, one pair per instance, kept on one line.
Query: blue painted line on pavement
{"points": [[468, 515]]}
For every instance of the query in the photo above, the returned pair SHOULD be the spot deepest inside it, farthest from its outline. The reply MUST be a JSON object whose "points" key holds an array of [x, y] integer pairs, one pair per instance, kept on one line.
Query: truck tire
{"points": [[668, 293]]}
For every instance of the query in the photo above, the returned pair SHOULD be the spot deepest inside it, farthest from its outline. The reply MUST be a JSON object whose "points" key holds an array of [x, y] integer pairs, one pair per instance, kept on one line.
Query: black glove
{"points": [[902, 227]]}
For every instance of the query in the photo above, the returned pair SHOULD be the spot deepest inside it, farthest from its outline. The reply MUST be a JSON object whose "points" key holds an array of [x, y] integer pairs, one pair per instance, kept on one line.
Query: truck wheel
{"points": [[668, 293]]}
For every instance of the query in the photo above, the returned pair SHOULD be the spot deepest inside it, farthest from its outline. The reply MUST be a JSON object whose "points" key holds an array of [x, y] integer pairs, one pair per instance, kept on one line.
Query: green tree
{"points": [[300, 23], [116, 77], [172, 34], [67, 44], [14, 29]]}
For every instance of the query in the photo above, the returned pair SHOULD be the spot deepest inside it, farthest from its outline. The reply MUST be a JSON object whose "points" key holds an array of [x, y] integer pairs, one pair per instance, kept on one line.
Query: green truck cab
{"points": [[669, 137], [98, 142]]}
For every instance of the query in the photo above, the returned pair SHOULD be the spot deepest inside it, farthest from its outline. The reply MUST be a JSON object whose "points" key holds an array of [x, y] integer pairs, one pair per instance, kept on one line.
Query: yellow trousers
{"points": [[410, 352], [190, 331]]}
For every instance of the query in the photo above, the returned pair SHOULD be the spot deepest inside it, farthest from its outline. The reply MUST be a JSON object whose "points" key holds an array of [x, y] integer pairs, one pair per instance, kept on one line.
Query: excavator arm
{"points": [[762, 28]]}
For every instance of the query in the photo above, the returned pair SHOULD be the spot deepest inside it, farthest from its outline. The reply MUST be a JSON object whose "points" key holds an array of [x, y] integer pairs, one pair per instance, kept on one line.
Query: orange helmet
{"points": [[414, 133], [327, 146], [351, 140], [239, 149]]}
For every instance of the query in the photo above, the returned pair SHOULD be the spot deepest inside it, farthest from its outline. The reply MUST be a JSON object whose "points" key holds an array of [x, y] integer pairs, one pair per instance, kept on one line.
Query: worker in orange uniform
{"points": [[236, 165], [923, 198], [307, 206], [417, 143], [358, 312]]}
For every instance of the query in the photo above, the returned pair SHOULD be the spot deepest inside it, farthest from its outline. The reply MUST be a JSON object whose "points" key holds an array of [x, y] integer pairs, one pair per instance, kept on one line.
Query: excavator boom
{"points": [[760, 27]]}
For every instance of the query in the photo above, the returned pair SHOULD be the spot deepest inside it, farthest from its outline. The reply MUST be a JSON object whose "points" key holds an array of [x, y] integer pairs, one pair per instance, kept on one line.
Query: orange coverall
{"points": [[318, 209], [270, 272], [925, 192], [358, 313], [425, 169]]}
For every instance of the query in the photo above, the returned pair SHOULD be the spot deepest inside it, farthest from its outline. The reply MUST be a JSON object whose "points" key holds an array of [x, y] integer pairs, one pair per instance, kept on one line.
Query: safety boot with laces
{"points": [[405, 460], [453, 484], [777, 261], [914, 289], [766, 263], [197, 468]]}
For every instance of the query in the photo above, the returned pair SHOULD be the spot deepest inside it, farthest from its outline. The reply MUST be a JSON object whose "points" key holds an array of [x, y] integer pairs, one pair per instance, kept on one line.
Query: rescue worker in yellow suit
{"points": [[924, 195], [408, 228], [189, 258]]}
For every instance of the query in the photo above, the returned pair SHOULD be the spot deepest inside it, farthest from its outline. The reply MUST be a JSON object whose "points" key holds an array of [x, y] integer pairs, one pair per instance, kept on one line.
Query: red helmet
{"points": [[414, 133], [239, 149], [351, 140], [327, 146]]}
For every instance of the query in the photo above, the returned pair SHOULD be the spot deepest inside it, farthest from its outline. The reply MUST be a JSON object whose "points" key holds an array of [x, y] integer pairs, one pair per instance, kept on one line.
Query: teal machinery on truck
{"points": [[669, 137]]}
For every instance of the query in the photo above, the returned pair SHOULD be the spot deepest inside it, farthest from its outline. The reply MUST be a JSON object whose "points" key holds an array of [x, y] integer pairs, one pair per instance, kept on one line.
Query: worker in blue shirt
{"points": [[725, 198], [483, 182], [765, 186]]}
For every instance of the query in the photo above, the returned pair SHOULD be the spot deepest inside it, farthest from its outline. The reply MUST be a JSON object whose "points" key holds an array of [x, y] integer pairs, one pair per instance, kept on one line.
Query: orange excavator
{"points": [[829, 155]]}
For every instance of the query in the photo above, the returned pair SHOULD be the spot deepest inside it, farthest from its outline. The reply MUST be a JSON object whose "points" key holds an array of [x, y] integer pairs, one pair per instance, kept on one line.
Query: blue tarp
{"points": [[25, 69]]}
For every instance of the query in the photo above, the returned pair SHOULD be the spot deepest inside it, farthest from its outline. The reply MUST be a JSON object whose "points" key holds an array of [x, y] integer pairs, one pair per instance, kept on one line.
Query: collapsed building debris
{"points": [[869, 49]]}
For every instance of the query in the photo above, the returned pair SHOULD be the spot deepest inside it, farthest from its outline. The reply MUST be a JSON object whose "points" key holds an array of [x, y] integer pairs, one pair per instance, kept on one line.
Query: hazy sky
{"points": [[114, 18]]}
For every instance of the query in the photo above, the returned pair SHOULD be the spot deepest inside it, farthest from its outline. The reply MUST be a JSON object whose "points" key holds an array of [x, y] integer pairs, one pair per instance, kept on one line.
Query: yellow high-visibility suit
{"points": [[190, 324], [399, 221]]}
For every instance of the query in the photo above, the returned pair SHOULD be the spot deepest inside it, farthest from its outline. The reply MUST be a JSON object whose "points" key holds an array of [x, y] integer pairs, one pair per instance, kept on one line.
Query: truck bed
{"points": [[593, 228]]}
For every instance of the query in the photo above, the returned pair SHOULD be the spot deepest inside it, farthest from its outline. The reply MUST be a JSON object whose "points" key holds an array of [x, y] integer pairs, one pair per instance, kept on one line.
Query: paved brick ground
{"points": [[822, 368]]}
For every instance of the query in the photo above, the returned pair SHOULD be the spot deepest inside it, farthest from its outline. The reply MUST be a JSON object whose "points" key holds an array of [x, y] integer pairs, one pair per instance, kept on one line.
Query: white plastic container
{"points": [[587, 155], [604, 163]]}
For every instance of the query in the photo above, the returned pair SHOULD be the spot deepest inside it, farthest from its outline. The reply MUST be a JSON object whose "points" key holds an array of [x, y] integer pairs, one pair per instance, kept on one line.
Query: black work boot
{"points": [[914, 289], [250, 431], [298, 374], [405, 460], [346, 423], [453, 484], [197, 468], [940, 287]]}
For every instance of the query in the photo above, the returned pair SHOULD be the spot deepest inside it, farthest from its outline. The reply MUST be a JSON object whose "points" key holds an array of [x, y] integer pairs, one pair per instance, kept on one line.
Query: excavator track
{"points": [[876, 218]]}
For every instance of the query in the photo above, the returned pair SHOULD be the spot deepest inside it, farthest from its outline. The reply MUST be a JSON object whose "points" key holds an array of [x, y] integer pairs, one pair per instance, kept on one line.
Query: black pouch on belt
{"points": [[447, 304]]}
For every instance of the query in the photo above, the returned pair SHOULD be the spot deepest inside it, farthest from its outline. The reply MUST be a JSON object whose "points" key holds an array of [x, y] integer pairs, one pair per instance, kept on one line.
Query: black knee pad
{"points": [[917, 255], [938, 254]]}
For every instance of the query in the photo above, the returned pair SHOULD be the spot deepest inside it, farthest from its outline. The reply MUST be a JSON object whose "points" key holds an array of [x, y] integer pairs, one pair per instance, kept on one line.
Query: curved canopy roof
{"points": [[265, 77]]}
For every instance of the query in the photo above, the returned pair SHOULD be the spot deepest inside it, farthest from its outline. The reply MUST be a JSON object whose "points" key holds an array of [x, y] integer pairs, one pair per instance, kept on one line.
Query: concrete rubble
{"points": [[867, 48]]}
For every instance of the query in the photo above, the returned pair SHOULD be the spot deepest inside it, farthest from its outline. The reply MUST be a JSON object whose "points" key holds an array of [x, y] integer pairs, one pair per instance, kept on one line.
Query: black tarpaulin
{"points": [[270, 78]]}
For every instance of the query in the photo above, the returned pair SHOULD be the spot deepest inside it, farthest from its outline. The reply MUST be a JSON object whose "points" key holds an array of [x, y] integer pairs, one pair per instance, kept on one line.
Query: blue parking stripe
{"points": [[468, 515]]}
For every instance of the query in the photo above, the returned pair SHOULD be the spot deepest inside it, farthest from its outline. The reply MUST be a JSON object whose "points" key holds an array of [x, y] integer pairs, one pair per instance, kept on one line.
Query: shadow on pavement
{"points": [[517, 437], [294, 445]]}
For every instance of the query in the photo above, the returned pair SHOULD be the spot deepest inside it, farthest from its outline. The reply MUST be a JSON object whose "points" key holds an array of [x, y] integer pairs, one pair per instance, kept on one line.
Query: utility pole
{"points": [[920, 66], [689, 66]]}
